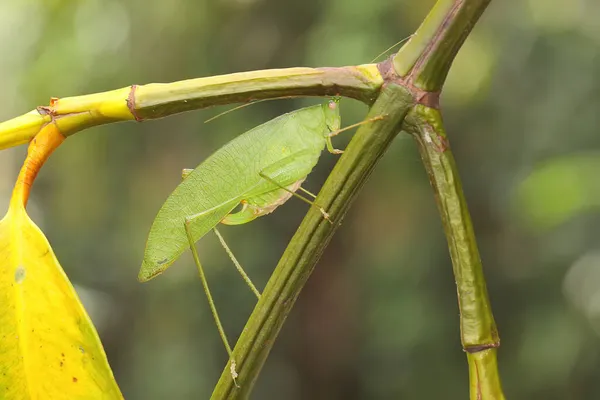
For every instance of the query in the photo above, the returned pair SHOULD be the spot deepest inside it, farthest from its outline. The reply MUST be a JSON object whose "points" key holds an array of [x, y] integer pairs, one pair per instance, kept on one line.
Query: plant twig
{"points": [[479, 335], [157, 100]]}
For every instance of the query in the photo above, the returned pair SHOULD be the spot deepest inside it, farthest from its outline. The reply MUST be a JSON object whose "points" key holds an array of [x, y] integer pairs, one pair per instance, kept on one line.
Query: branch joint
{"points": [[423, 97], [481, 347]]}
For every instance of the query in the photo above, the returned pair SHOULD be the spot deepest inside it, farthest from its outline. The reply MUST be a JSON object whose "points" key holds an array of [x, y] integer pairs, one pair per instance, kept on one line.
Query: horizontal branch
{"points": [[157, 100]]}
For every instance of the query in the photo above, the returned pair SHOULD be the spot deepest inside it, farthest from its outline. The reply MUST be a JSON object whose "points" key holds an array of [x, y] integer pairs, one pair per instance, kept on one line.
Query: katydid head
{"points": [[332, 114]]}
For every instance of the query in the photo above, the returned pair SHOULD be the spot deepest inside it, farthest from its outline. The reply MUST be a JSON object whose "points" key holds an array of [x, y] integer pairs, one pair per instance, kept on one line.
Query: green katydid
{"points": [[259, 169]]}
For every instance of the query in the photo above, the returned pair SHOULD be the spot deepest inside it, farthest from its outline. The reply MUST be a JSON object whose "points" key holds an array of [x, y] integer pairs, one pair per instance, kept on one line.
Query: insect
{"points": [[260, 169]]}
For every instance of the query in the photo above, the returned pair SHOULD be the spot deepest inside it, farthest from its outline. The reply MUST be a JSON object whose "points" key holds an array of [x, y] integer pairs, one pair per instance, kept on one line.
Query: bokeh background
{"points": [[378, 319]]}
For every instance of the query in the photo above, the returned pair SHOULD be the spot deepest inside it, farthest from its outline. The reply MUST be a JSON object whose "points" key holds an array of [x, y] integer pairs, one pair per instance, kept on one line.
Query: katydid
{"points": [[260, 169]]}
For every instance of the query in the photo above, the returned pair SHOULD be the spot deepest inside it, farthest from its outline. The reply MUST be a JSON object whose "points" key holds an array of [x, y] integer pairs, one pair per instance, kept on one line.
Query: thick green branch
{"points": [[350, 173], [159, 100], [426, 58], [73, 114], [479, 335]]}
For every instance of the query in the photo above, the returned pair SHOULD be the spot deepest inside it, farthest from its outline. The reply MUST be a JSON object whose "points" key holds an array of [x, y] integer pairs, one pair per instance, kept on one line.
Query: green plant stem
{"points": [[350, 173], [479, 335], [153, 101], [157, 100], [425, 59]]}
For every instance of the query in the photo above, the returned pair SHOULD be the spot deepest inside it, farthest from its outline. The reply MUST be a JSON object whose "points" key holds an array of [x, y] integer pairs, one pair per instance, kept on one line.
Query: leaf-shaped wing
{"points": [[230, 174]]}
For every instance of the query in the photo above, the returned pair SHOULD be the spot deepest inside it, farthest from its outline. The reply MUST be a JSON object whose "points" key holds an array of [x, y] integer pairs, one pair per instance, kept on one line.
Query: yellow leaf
{"points": [[49, 348]]}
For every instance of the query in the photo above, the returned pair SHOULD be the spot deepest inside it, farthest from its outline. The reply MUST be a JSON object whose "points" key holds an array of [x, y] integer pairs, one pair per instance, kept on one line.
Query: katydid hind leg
{"points": [[265, 200], [238, 266], [302, 162], [281, 180], [304, 199], [211, 302]]}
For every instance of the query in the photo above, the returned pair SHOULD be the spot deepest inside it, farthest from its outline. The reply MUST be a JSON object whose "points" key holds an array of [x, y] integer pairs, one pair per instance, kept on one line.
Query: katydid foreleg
{"points": [[213, 309]]}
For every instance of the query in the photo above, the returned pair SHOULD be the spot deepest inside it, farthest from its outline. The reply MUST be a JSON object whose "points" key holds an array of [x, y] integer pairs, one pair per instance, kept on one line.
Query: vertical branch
{"points": [[426, 58], [422, 65], [479, 335]]}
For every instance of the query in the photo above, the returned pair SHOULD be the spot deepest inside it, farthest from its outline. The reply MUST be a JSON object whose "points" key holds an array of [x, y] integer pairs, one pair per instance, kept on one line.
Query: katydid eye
{"points": [[332, 105]]}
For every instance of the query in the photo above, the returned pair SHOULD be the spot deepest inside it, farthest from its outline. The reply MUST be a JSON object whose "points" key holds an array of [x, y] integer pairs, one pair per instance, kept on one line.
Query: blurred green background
{"points": [[378, 318]]}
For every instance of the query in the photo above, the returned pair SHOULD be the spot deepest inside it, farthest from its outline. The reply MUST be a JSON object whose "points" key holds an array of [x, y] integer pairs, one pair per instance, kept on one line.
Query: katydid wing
{"points": [[284, 149]]}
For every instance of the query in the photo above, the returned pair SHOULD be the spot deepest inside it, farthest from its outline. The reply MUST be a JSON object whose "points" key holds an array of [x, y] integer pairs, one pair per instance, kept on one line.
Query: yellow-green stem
{"points": [[157, 100]]}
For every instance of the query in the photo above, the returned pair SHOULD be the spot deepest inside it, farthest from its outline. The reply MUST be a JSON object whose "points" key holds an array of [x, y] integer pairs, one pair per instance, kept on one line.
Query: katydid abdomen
{"points": [[251, 169]]}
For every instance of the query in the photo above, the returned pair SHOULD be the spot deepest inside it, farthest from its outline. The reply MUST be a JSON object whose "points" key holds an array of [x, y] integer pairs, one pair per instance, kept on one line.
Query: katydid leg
{"points": [[280, 181], [211, 302], [336, 132], [237, 265], [189, 220], [304, 199], [301, 162], [314, 196]]}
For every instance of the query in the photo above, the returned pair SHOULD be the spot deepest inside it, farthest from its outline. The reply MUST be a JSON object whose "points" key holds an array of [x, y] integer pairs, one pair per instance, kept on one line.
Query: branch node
{"points": [[481, 347], [131, 103], [46, 110], [423, 97]]}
